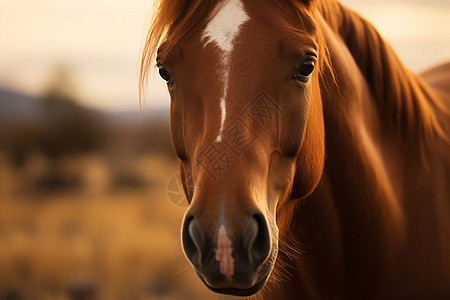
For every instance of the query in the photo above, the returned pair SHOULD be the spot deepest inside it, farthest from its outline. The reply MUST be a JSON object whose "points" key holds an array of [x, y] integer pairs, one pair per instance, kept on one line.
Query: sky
{"points": [[99, 42]]}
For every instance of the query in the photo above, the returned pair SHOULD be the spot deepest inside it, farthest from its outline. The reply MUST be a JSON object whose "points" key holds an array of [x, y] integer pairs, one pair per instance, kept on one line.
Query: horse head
{"points": [[247, 127]]}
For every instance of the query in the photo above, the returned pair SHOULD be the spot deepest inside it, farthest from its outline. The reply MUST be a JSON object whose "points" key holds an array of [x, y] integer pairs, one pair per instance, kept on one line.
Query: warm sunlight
{"points": [[283, 165]]}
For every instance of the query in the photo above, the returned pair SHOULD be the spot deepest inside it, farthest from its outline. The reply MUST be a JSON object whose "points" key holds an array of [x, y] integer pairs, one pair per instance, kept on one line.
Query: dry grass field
{"points": [[105, 229]]}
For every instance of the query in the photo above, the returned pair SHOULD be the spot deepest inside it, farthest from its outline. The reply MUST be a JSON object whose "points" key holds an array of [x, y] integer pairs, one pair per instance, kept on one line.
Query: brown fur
{"points": [[374, 223], [406, 103]]}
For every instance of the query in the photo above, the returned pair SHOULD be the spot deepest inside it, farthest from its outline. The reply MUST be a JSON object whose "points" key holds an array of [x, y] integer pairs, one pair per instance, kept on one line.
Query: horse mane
{"points": [[403, 100]]}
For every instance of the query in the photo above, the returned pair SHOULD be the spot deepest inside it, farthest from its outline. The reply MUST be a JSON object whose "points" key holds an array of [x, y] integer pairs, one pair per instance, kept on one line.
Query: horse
{"points": [[310, 155]]}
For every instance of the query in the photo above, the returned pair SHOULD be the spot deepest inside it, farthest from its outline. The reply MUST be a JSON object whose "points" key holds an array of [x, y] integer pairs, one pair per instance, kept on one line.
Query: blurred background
{"points": [[90, 205]]}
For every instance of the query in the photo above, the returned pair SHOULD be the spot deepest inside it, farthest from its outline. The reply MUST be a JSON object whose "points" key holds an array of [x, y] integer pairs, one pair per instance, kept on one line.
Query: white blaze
{"points": [[222, 30]]}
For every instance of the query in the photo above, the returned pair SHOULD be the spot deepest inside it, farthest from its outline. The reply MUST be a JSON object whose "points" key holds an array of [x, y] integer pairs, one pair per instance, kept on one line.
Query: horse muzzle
{"points": [[232, 257]]}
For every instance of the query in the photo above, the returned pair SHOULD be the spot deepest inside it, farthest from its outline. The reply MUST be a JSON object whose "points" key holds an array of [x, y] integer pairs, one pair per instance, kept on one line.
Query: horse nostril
{"points": [[192, 240], [257, 235]]}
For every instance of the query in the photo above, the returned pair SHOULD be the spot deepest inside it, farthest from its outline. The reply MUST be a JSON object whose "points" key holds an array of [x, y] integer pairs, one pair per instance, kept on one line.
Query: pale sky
{"points": [[99, 40]]}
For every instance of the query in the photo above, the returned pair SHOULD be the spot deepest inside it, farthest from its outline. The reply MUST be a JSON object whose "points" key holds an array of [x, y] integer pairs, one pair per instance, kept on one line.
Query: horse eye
{"points": [[164, 74], [304, 70]]}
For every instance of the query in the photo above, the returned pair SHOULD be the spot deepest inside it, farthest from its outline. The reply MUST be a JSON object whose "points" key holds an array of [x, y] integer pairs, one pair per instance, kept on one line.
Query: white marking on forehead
{"points": [[224, 27], [229, 16]]}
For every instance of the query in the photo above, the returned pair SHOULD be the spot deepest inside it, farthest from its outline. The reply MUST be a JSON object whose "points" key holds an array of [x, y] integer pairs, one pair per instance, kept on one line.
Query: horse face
{"points": [[246, 124]]}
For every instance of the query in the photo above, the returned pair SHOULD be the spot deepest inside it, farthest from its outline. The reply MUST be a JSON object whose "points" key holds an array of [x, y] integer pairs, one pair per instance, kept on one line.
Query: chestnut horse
{"points": [[296, 125]]}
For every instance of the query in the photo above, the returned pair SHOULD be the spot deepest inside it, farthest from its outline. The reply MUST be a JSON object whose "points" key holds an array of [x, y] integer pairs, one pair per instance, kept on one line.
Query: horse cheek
{"points": [[311, 157]]}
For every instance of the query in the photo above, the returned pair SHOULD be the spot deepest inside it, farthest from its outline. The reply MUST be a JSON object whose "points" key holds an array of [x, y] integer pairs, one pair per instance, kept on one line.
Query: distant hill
{"points": [[56, 126], [17, 107]]}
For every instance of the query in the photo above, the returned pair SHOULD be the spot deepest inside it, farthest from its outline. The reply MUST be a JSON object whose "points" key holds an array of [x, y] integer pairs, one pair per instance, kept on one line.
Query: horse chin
{"points": [[243, 292]]}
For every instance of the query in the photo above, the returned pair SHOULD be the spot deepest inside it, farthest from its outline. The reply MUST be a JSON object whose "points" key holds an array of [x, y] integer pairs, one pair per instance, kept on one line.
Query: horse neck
{"points": [[355, 201], [378, 115], [401, 97], [353, 225]]}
